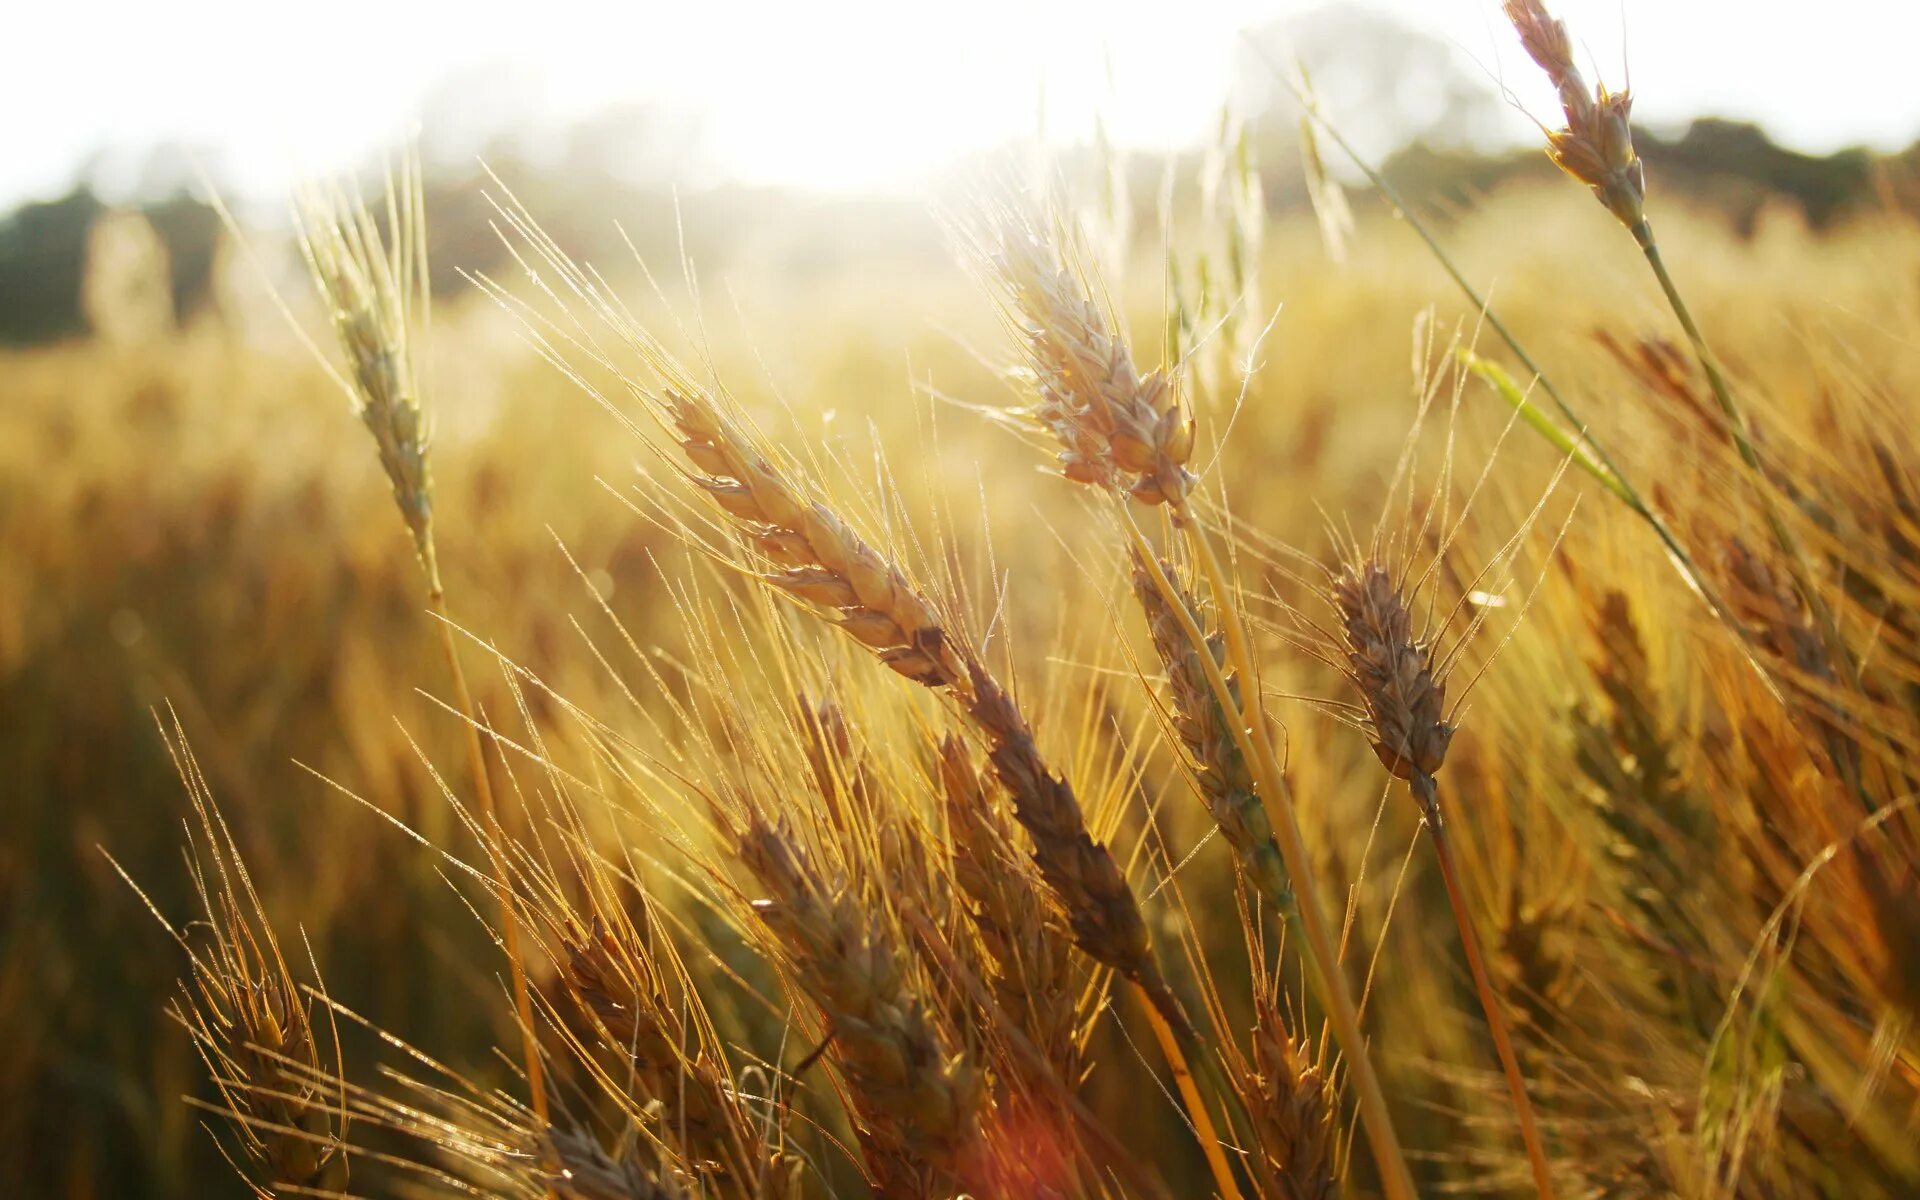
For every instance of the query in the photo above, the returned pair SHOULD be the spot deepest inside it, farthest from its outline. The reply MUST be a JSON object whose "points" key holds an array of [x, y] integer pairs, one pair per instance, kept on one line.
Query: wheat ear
{"points": [[918, 1100], [1404, 692], [374, 293], [1074, 354], [248, 1017]]}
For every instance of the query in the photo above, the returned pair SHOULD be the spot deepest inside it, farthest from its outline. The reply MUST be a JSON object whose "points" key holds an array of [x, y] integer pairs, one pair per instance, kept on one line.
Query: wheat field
{"points": [[1294, 728]]}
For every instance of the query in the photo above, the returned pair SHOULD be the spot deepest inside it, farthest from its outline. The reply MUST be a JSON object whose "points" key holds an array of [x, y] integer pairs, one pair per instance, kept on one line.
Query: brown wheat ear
{"points": [[1293, 1114], [1220, 770], [1117, 428], [817, 558], [249, 1018], [1396, 677], [1404, 694], [614, 982], [1596, 147], [918, 1102], [1032, 966]]}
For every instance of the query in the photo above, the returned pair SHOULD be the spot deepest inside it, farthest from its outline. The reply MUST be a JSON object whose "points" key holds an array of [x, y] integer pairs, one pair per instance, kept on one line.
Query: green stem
{"points": [[1622, 486], [1742, 439], [1739, 429]]}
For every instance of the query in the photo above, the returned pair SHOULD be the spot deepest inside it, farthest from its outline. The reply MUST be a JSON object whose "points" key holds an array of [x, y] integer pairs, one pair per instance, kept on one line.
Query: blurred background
{"points": [[854, 113], [189, 518]]}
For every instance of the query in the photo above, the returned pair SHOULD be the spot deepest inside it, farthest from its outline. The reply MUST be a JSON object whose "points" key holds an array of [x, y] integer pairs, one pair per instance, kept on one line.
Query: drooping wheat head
{"points": [[1033, 976], [817, 558]]}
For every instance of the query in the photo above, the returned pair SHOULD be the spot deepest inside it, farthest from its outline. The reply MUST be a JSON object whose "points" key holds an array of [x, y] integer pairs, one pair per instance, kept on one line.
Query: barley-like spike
{"points": [[1220, 770], [1596, 146], [1117, 428], [1100, 906], [823, 557], [1292, 1111], [1033, 971], [369, 292], [614, 984], [248, 1019]]}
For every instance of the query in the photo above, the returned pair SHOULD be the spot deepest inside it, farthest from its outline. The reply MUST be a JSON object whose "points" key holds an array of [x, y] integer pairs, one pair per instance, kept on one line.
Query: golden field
{"points": [[1686, 839]]}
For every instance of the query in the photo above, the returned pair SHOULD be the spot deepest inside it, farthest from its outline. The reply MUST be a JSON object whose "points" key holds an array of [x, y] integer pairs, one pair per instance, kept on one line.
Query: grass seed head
{"points": [[919, 1102], [575, 1166], [1033, 978], [827, 564], [1291, 1105], [814, 555], [1219, 768]]}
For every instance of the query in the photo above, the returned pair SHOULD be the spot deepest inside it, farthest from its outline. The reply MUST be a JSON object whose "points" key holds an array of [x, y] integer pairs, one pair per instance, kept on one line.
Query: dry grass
{"points": [[832, 791]]}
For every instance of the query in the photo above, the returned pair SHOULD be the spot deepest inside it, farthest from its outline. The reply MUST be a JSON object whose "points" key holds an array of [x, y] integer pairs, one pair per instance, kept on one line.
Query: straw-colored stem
{"points": [[483, 792], [1196, 1104], [1323, 954], [1483, 984]]}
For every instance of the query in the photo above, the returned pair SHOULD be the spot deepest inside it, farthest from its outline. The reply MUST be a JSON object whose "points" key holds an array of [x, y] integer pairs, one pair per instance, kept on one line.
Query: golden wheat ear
{"points": [[374, 286], [919, 1100], [1129, 435], [249, 1018]]}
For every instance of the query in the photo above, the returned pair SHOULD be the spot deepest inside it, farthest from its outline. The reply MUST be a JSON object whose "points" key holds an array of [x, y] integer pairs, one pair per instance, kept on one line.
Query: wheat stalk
{"points": [[374, 293], [1404, 689], [1596, 147], [1071, 344]]}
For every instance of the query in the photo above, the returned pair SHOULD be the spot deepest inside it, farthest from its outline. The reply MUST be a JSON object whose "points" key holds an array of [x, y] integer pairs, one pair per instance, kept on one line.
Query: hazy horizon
{"points": [[855, 96]]}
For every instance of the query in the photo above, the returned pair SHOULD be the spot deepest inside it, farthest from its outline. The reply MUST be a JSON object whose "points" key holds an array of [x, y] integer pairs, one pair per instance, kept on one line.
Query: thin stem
{"points": [[1626, 492], [1196, 1105], [1742, 439], [483, 790], [1424, 791], [1323, 956]]}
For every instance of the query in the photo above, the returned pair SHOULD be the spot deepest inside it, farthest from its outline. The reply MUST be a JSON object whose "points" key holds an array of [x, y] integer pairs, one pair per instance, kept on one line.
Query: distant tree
{"points": [[43, 250], [1387, 84]]}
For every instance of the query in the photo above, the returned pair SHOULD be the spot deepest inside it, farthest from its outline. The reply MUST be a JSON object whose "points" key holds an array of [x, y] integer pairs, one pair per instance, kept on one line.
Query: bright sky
{"points": [[850, 94]]}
